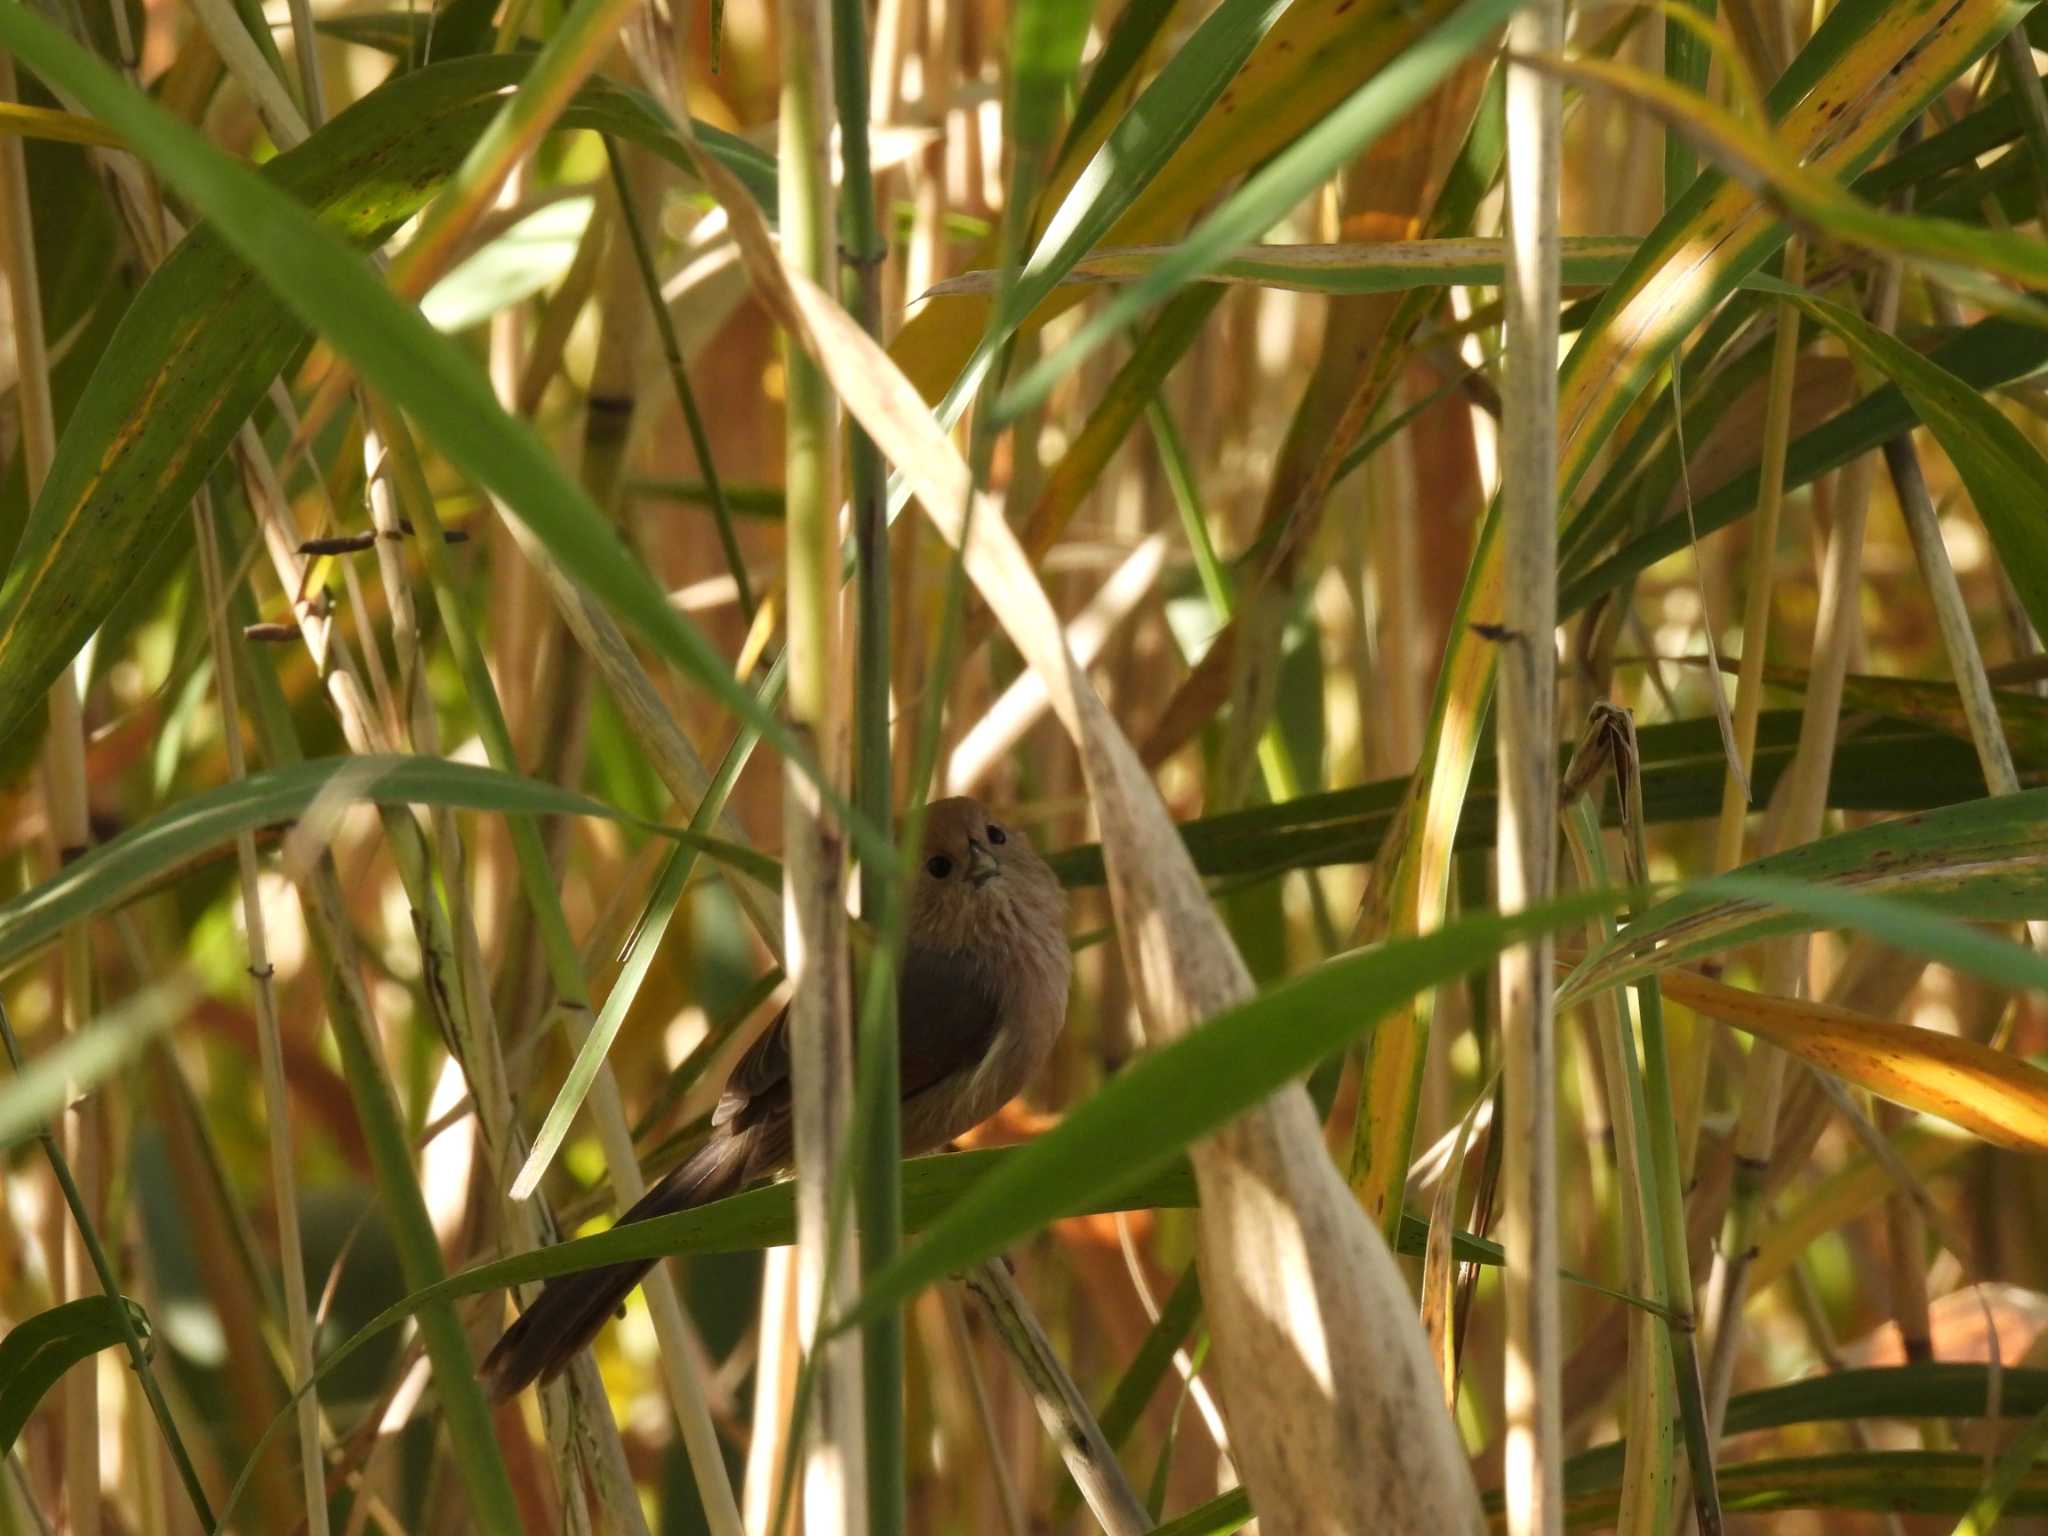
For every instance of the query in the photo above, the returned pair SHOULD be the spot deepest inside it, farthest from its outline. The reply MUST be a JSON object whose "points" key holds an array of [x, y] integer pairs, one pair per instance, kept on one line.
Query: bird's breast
{"points": [[1019, 1048]]}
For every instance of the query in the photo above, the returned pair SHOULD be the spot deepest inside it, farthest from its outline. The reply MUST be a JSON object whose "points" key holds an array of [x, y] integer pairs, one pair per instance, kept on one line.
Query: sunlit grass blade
{"points": [[640, 952], [1884, 767], [1907, 882], [1393, 266], [1987, 354], [1992, 1093], [572, 49], [1275, 189], [1963, 254], [1315, 55], [113, 872], [1140, 143], [199, 345], [84, 1060], [1162, 345]]}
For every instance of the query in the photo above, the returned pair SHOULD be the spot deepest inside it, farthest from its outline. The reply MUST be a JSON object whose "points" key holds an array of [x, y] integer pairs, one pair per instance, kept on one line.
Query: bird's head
{"points": [[977, 879]]}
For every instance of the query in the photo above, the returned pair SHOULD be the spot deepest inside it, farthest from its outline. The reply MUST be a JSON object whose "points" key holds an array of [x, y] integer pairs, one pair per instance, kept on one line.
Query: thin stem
{"points": [[1060, 1405], [64, 787], [257, 74], [999, 1467], [1660, 1116], [445, 950], [2017, 53], [1805, 806], [1527, 733], [679, 376], [835, 1457], [879, 1155], [270, 1045], [576, 1415], [305, 40], [646, 716], [565, 963], [1649, 1474], [1958, 638], [1763, 553]]}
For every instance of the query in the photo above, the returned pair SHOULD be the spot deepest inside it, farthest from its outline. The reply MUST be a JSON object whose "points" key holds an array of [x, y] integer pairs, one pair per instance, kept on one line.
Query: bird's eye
{"points": [[997, 835], [938, 866]]}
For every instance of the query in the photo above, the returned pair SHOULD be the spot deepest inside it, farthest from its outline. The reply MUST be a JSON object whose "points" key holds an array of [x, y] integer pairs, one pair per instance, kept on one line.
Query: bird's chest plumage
{"points": [[1029, 998]]}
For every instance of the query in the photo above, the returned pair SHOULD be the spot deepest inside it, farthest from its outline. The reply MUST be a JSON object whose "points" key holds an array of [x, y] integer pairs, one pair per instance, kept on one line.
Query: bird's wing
{"points": [[947, 1015], [759, 1085]]}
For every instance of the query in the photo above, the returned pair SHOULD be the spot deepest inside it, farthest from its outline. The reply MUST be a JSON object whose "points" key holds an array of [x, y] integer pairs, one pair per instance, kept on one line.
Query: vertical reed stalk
{"points": [[1763, 550], [1649, 1474], [270, 1045], [1527, 734], [879, 1186], [64, 790], [1756, 627], [590, 1426], [476, 1451], [1834, 634], [575, 1415], [1651, 1101], [834, 1449], [402, 1200], [565, 972]]}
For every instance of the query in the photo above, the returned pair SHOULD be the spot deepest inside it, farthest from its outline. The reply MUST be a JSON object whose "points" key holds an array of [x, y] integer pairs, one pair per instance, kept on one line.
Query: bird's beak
{"points": [[981, 864]]}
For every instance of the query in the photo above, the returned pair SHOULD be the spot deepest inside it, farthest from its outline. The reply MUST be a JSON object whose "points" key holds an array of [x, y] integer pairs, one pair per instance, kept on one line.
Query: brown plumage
{"points": [[980, 999]]}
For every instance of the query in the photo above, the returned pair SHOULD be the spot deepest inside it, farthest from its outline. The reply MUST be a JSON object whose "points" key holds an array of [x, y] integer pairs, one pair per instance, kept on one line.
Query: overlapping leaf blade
{"points": [[42, 1348], [202, 342]]}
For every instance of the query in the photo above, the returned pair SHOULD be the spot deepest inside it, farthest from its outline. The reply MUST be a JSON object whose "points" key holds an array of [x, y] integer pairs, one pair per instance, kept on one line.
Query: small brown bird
{"points": [[980, 999]]}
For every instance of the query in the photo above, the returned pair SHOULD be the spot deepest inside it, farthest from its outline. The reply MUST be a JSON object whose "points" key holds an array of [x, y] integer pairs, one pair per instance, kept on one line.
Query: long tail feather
{"points": [[571, 1309]]}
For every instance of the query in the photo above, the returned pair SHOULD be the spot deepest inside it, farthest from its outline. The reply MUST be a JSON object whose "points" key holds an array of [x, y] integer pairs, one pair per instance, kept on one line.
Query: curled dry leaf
{"points": [[1439, 1272], [1989, 1093]]}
